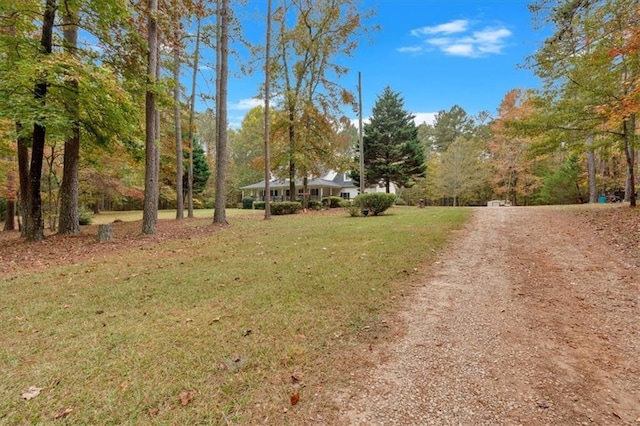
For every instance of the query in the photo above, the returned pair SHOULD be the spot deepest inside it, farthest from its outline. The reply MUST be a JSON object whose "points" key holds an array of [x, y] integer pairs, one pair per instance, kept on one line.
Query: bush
{"points": [[352, 209], [259, 205], [332, 202], [285, 207], [374, 202], [85, 215], [247, 203], [314, 205]]}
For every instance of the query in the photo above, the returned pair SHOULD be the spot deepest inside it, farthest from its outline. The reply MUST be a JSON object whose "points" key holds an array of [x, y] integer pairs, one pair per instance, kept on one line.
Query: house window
{"points": [[273, 192], [346, 177], [315, 191], [345, 195]]}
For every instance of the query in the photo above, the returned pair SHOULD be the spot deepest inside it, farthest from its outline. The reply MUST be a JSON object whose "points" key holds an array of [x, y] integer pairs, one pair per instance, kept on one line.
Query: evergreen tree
{"points": [[392, 151], [201, 171]]}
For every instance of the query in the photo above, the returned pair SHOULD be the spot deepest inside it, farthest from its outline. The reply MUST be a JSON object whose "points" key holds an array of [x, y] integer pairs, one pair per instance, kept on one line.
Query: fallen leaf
{"points": [[154, 412], [31, 393], [295, 398], [186, 397], [246, 332], [63, 413], [123, 386]]}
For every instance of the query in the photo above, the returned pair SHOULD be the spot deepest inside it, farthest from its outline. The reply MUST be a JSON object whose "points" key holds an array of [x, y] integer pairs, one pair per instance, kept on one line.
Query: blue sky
{"points": [[435, 53]]}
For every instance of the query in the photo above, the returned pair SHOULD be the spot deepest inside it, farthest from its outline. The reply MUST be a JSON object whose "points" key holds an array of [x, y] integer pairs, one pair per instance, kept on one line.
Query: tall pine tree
{"points": [[392, 151]]}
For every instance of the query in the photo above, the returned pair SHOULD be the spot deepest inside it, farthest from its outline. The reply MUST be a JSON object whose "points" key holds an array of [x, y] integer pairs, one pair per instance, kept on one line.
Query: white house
{"points": [[332, 184]]}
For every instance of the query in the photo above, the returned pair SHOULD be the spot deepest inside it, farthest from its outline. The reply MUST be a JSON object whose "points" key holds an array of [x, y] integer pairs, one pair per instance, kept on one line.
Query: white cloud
{"points": [[411, 49], [419, 118], [424, 117], [457, 26], [246, 104], [455, 38]]}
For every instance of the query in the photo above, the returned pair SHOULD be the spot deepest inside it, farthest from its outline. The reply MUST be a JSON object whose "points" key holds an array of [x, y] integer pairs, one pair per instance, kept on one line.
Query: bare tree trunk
{"points": [[219, 215], [178, 125], [34, 228], [591, 169], [150, 206], [629, 130], [292, 150], [69, 221], [23, 176], [267, 88], [196, 57], [10, 219]]}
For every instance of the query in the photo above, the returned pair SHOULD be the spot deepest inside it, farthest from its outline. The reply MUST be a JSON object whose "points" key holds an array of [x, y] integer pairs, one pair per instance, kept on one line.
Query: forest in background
{"points": [[80, 121]]}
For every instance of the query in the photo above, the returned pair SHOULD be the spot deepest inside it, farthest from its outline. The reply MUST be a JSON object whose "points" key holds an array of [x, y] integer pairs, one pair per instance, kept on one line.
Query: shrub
{"points": [[332, 202], [314, 205], [85, 215], [375, 202], [247, 203], [259, 205], [285, 207], [352, 209]]}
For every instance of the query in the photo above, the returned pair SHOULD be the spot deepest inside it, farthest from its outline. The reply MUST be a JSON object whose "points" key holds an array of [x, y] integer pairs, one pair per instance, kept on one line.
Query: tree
{"points": [[219, 214], [462, 173], [149, 213], [69, 217], [201, 172], [392, 151], [447, 127], [591, 69], [513, 163], [306, 73], [267, 116], [34, 223]]}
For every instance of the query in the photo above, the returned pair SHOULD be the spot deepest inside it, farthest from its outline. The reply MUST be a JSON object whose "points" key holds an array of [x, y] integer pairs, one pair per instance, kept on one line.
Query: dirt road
{"points": [[528, 318]]}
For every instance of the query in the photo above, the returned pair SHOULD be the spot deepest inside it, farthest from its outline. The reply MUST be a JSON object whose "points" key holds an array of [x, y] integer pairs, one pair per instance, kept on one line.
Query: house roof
{"points": [[313, 183]]}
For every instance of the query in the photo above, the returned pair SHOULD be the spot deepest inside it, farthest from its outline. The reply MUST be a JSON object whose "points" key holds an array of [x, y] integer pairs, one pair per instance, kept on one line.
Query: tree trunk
{"points": [[267, 87], [150, 205], [23, 176], [192, 105], [292, 150], [178, 125], [629, 130], [33, 224], [69, 221], [10, 218], [591, 169], [219, 215], [105, 232]]}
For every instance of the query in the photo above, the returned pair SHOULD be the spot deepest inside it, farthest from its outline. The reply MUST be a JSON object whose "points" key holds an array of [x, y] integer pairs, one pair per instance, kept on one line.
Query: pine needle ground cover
{"points": [[252, 323]]}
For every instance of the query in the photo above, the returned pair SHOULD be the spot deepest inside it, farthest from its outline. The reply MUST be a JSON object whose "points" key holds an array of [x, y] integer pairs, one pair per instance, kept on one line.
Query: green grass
{"points": [[118, 338], [131, 215]]}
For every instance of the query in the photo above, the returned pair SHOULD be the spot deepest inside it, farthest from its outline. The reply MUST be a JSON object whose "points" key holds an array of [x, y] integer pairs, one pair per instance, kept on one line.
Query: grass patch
{"points": [[229, 316]]}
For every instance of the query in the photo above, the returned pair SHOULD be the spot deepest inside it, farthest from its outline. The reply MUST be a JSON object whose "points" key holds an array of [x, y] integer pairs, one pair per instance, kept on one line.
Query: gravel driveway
{"points": [[527, 318]]}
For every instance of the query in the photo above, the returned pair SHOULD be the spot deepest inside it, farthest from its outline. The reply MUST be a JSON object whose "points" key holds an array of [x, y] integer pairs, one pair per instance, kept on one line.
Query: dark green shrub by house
{"points": [[285, 207], [247, 203], [314, 205], [259, 205], [332, 202], [375, 202]]}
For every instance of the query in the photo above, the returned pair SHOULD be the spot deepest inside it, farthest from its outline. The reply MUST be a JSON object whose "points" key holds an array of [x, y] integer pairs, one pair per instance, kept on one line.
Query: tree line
{"points": [[93, 107]]}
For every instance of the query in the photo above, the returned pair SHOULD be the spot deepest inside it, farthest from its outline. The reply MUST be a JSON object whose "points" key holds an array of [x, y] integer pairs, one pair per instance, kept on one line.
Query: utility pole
{"points": [[360, 138]]}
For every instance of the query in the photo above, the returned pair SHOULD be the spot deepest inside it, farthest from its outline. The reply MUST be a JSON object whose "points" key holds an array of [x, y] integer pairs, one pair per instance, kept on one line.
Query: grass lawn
{"points": [[211, 329]]}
